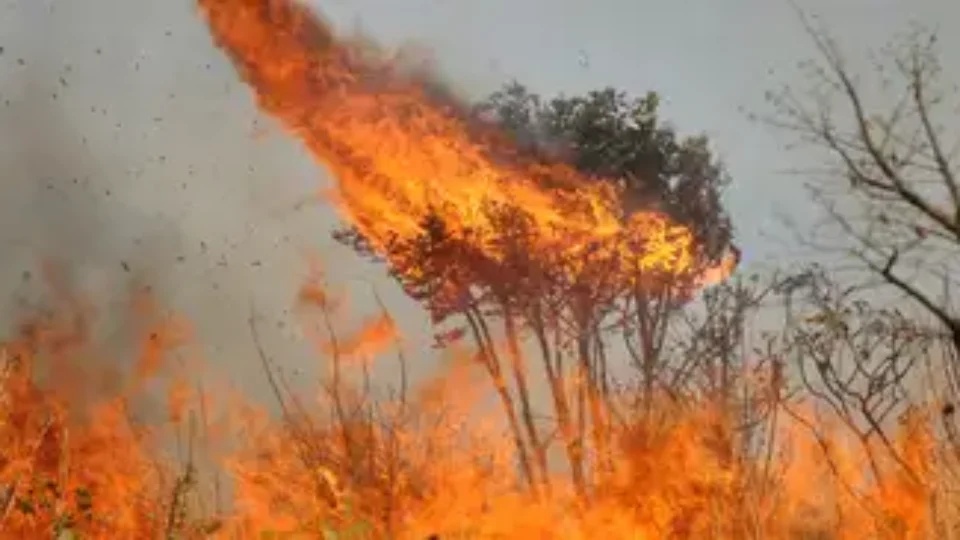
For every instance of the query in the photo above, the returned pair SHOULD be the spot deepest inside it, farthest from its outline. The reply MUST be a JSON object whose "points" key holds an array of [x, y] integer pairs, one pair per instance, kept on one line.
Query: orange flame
{"points": [[400, 154], [433, 464]]}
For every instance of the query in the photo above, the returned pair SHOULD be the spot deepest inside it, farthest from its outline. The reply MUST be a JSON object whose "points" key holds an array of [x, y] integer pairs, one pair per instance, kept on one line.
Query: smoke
{"points": [[134, 158]]}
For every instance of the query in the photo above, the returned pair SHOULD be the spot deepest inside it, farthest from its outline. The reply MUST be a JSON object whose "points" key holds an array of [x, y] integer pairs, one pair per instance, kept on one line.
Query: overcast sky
{"points": [[130, 151]]}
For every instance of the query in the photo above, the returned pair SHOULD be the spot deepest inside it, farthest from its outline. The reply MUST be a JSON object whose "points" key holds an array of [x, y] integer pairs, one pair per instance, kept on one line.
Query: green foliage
{"points": [[610, 135]]}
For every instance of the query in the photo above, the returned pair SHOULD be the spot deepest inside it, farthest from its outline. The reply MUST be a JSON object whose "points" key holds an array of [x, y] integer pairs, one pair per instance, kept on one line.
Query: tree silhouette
{"points": [[888, 185]]}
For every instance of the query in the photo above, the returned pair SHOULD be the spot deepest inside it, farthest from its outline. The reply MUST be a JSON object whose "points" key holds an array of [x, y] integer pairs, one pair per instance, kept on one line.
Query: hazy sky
{"points": [[708, 58], [130, 151]]}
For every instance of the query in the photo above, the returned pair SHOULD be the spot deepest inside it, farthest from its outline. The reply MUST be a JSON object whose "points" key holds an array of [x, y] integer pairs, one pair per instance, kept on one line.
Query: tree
{"points": [[889, 186], [608, 134], [854, 358], [570, 315], [861, 331]]}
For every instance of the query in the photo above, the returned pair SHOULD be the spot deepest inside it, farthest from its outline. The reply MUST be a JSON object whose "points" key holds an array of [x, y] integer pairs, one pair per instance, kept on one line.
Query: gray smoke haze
{"points": [[132, 155]]}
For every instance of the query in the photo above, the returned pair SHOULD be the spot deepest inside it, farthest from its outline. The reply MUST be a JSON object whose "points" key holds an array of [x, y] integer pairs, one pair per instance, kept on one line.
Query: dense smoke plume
{"points": [[133, 158]]}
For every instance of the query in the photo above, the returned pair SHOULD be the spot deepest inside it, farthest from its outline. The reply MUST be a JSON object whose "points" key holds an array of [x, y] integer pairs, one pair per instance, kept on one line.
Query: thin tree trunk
{"points": [[526, 408], [491, 361], [561, 407]]}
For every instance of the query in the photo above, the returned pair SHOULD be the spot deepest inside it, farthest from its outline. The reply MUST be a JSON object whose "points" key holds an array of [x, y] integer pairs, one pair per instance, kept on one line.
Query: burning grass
{"points": [[483, 232], [77, 458]]}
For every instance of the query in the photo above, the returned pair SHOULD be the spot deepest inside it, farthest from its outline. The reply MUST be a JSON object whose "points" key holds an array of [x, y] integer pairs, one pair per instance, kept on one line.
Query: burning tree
{"points": [[473, 226], [580, 225], [571, 302]]}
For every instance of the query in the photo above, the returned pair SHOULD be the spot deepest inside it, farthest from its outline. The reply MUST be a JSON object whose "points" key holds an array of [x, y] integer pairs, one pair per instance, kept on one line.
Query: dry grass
{"points": [[411, 469]]}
